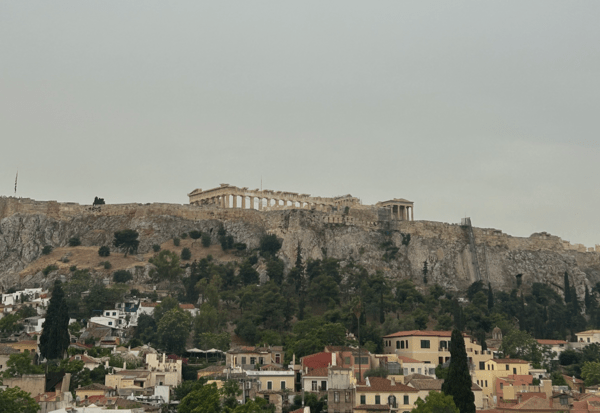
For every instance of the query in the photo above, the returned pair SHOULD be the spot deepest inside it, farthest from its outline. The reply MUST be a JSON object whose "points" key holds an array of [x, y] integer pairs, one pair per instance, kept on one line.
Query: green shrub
{"points": [[195, 234], [206, 240], [47, 249], [49, 269], [240, 246], [104, 251], [122, 276], [155, 247], [186, 254], [107, 265], [176, 241], [269, 244], [74, 242], [73, 268], [184, 235]]}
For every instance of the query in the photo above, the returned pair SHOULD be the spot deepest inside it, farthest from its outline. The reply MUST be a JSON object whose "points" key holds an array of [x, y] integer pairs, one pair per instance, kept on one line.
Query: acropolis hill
{"points": [[381, 237]]}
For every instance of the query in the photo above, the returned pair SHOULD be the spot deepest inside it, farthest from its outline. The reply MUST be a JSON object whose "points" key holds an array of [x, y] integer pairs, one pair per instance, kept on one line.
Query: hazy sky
{"points": [[488, 109]]}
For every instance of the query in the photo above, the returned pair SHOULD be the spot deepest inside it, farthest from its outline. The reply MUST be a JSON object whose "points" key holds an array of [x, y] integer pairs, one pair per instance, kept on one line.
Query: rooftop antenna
{"points": [[16, 178]]}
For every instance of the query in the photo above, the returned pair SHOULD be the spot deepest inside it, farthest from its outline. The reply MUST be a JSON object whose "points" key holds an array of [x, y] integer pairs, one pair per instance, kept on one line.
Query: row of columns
{"points": [[224, 201], [402, 212]]}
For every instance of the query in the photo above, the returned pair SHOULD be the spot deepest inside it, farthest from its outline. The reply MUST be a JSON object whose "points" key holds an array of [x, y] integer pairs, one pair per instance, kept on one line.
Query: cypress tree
{"points": [[490, 297], [458, 384], [567, 289], [55, 335]]}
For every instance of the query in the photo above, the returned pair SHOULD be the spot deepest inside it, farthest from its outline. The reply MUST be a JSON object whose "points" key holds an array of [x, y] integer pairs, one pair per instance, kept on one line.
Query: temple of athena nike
{"points": [[228, 196]]}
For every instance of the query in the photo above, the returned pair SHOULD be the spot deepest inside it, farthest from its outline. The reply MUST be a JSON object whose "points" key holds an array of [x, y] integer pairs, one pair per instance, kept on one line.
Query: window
{"points": [[261, 360], [361, 360], [398, 344], [514, 370], [482, 365], [346, 360], [253, 360], [278, 358], [425, 344], [486, 383], [347, 397], [501, 386], [269, 385], [392, 401], [323, 385], [406, 343], [412, 370], [377, 399], [314, 385], [564, 400], [363, 399], [243, 360], [507, 368], [405, 399], [440, 360], [110, 323], [419, 370], [282, 385], [114, 313], [336, 396]]}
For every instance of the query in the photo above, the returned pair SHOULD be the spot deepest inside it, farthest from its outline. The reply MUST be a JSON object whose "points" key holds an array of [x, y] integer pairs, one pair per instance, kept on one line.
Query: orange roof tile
{"points": [[379, 384], [420, 333], [408, 360], [510, 361], [545, 342]]}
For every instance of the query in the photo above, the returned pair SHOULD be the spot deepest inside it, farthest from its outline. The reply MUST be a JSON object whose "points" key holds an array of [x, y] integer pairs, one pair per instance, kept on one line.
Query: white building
{"points": [[15, 298]]}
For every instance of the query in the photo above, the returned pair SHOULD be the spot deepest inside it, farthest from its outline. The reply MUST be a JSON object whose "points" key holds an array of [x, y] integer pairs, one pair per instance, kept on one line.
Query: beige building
{"points": [[426, 385], [30, 345], [165, 372], [498, 368], [94, 389], [247, 357], [275, 386], [5, 353], [589, 336], [432, 347], [377, 393]]}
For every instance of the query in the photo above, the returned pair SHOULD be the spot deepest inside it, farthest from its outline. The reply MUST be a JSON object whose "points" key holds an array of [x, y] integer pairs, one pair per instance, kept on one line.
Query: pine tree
{"points": [[490, 297], [458, 384], [55, 335], [567, 289]]}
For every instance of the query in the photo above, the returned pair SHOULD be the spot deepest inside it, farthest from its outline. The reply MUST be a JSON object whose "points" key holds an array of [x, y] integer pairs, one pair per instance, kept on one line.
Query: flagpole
{"points": [[16, 178]]}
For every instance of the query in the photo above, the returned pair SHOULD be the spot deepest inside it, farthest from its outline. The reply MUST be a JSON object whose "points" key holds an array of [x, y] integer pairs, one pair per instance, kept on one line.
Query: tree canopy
{"points": [[55, 336], [458, 384], [127, 240]]}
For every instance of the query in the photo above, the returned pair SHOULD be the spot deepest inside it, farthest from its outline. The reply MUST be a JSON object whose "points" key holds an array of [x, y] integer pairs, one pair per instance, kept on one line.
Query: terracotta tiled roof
{"points": [[45, 397], [95, 386], [317, 360], [186, 306], [534, 403], [379, 384], [421, 384], [545, 342], [318, 372], [85, 359], [148, 304]]}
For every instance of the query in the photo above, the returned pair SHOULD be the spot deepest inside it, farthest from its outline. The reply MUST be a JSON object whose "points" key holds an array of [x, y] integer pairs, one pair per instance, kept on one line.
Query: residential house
{"points": [[589, 336], [5, 352], [146, 308], [88, 362], [556, 346], [425, 384], [491, 370], [341, 390], [30, 345], [247, 358], [432, 347], [33, 324], [377, 393], [360, 361], [275, 386], [190, 308], [94, 389], [165, 371]]}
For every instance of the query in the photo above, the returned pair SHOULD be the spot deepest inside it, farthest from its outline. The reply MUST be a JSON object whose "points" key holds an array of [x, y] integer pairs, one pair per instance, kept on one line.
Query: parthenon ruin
{"points": [[228, 196]]}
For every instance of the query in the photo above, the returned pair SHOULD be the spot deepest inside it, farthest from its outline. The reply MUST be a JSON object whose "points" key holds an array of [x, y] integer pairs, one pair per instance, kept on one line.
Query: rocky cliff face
{"points": [[399, 249]]}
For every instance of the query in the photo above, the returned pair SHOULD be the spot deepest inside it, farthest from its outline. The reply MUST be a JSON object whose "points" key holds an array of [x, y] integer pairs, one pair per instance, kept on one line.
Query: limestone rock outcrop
{"points": [[399, 249]]}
